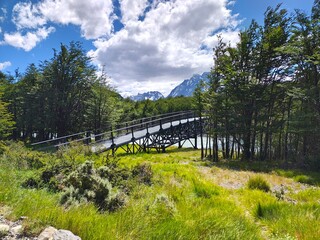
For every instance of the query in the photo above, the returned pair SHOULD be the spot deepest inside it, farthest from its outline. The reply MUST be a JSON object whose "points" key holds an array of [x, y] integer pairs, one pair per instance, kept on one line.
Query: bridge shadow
{"points": [[169, 150]]}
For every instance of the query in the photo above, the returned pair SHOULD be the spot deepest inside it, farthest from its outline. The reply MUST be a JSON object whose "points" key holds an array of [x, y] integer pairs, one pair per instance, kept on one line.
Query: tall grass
{"points": [[179, 204]]}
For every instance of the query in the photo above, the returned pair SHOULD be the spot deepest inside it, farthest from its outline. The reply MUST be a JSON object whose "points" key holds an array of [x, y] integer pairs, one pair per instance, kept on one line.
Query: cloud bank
{"points": [[159, 43]]}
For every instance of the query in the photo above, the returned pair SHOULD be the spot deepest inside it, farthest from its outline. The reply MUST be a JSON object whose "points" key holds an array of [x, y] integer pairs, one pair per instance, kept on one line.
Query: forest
{"points": [[262, 101]]}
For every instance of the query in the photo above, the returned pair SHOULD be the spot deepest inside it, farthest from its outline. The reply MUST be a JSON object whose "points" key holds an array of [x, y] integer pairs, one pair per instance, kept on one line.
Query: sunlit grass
{"points": [[187, 200]]}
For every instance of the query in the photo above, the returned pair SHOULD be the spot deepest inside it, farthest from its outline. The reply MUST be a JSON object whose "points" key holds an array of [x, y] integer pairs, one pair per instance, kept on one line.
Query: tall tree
{"points": [[69, 77]]}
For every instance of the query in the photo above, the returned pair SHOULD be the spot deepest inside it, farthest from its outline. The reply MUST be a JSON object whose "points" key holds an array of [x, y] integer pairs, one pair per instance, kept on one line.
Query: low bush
{"points": [[258, 183], [143, 173], [86, 185], [21, 157]]}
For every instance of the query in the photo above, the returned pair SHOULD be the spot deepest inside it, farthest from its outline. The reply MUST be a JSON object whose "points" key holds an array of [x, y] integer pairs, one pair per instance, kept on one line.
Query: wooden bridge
{"points": [[157, 132]]}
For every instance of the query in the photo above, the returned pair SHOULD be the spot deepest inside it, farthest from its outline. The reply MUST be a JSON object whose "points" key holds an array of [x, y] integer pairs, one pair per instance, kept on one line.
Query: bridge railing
{"points": [[143, 124], [121, 129], [64, 140]]}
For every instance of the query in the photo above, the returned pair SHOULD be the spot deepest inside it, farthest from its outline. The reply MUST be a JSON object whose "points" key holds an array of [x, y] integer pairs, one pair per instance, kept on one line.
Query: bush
{"points": [[163, 206], [21, 157], [51, 176], [86, 185], [32, 182], [143, 172], [117, 176], [258, 183]]}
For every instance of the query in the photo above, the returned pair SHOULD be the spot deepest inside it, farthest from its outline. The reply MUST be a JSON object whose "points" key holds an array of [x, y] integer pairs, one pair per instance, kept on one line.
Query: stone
{"points": [[4, 230], [17, 230], [47, 234], [65, 235]]}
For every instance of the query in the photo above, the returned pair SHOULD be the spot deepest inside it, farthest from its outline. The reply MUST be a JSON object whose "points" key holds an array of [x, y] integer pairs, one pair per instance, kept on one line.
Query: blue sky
{"points": [[144, 45]]}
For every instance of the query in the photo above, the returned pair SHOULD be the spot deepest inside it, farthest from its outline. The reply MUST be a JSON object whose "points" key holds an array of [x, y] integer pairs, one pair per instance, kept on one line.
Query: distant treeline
{"points": [[263, 98]]}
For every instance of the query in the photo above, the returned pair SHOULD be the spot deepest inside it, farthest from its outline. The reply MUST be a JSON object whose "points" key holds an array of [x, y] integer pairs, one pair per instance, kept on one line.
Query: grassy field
{"points": [[187, 199]]}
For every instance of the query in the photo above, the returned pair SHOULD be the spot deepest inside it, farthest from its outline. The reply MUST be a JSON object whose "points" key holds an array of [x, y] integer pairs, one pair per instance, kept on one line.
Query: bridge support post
{"points": [[112, 141], [132, 139], [195, 134], [88, 137]]}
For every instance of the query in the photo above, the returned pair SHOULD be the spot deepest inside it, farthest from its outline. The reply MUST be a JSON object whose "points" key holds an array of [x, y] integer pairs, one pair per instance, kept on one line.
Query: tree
{"points": [[69, 77], [6, 122], [198, 96], [102, 111]]}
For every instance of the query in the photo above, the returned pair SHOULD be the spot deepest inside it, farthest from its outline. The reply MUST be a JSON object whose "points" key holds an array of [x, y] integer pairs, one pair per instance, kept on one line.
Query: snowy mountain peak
{"points": [[187, 87], [153, 96]]}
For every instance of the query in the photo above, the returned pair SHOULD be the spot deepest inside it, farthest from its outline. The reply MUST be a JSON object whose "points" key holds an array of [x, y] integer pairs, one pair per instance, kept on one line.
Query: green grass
{"points": [[181, 203], [258, 183]]}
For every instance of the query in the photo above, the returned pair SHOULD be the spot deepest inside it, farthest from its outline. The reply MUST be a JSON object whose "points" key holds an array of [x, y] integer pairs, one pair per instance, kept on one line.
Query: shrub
{"points": [[143, 172], [23, 158], [117, 201], [32, 182], [117, 176], [258, 183], [86, 185], [51, 176], [163, 205]]}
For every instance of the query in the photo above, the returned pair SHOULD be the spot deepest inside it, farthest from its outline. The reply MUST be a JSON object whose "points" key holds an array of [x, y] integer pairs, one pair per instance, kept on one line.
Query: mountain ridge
{"points": [[186, 89], [151, 95]]}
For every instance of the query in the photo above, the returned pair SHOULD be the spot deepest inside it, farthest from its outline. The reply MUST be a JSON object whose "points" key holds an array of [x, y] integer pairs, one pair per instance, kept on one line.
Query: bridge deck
{"points": [[127, 138], [138, 135]]}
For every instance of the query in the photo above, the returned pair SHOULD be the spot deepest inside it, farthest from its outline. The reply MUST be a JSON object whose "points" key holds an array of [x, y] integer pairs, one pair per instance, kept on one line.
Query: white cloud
{"points": [[4, 65], [229, 36], [3, 14], [172, 42], [131, 10], [26, 15], [94, 17], [29, 40], [162, 41]]}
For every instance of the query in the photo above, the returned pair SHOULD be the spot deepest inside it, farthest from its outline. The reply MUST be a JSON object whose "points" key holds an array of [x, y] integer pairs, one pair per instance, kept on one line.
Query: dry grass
{"points": [[237, 179]]}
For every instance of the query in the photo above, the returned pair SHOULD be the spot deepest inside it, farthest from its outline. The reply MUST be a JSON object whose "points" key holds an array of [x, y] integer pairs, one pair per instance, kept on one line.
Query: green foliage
{"points": [[163, 205], [22, 158], [143, 173], [6, 118], [85, 185], [252, 108], [258, 183], [304, 179]]}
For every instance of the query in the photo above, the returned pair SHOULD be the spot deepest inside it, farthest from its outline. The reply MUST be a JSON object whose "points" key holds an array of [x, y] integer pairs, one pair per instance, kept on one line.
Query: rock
{"points": [[51, 233], [65, 235], [17, 230], [47, 234], [4, 230]]}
